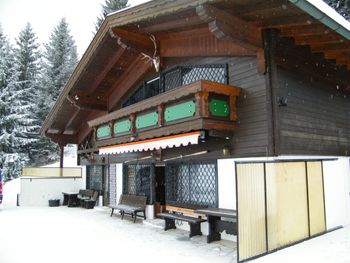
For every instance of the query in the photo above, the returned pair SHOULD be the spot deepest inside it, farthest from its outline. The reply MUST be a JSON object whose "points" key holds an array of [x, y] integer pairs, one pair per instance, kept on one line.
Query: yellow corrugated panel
{"points": [[287, 215], [316, 202], [251, 210]]}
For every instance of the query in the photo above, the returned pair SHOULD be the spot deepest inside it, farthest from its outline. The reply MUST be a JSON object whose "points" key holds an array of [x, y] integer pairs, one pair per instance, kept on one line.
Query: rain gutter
{"points": [[325, 14]]}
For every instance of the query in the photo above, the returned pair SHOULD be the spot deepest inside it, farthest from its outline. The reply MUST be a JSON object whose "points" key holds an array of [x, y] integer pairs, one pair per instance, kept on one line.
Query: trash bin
{"points": [[54, 202]]}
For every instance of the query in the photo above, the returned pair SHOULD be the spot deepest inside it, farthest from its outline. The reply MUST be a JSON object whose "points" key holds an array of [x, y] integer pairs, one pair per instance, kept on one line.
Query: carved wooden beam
{"points": [[133, 41], [88, 104], [62, 139], [100, 77], [229, 27], [172, 24], [72, 118], [131, 76], [85, 129]]}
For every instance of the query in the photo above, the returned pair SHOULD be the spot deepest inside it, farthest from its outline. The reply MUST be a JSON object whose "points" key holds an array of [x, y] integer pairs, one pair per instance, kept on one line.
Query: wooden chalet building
{"points": [[201, 103]]}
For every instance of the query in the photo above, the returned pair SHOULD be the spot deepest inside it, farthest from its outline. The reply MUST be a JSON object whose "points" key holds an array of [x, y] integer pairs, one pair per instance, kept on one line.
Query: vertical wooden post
{"points": [[111, 128], [133, 122], [270, 37], [61, 158], [152, 185], [233, 108], [160, 115], [202, 104]]}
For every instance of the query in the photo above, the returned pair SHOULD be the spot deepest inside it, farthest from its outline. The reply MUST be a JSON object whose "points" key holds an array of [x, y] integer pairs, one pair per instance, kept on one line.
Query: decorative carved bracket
{"points": [[229, 27]]}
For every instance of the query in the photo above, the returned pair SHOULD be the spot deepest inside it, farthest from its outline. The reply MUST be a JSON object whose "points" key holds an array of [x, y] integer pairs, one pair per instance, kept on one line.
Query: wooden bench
{"points": [[182, 214], [85, 194], [131, 205], [91, 202]]}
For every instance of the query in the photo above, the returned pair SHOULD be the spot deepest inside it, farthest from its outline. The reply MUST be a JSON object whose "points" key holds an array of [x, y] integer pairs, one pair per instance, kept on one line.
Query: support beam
{"points": [[61, 156], [72, 118], [318, 39], [62, 139], [131, 77], [82, 103], [172, 24], [85, 129], [133, 41], [229, 27], [98, 80]]}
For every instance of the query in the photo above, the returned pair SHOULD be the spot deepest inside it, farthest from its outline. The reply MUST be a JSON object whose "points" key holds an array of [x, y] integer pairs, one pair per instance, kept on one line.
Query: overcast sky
{"points": [[44, 15]]}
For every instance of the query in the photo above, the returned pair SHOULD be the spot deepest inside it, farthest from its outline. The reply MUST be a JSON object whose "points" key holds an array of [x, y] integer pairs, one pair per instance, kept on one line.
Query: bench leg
{"points": [[195, 229], [134, 216], [123, 214], [144, 215], [169, 224], [112, 211]]}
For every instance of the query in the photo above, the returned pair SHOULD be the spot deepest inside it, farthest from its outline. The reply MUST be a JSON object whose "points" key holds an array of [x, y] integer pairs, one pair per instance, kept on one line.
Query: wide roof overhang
{"points": [[102, 78]]}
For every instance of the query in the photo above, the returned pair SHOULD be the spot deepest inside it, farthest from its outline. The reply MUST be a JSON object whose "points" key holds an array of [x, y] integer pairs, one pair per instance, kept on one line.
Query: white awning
{"points": [[153, 144]]}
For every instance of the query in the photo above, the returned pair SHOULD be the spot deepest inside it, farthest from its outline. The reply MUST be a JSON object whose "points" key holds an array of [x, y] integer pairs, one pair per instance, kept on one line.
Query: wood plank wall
{"points": [[252, 133], [316, 118]]}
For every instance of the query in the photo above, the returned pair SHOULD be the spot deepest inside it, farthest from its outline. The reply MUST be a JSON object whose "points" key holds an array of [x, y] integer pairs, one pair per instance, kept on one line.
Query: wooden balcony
{"points": [[202, 105]]}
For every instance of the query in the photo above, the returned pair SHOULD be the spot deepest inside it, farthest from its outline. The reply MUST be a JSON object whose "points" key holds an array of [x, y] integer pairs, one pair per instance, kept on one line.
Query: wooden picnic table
{"points": [[70, 199], [217, 223]]}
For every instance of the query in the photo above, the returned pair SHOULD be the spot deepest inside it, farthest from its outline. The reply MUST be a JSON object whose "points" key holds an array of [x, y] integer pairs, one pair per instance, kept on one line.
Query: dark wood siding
{"points": [[316, 117], [252, 133]]}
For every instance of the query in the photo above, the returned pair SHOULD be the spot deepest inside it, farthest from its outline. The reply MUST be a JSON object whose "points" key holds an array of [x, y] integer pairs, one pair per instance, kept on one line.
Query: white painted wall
{"points": [[227, 183], [37, 191], [337, 192], [119, 179]]}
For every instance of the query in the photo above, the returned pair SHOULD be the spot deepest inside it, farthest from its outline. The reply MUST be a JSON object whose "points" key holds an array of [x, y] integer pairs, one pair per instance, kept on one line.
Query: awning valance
{"points": [[153, 144]]}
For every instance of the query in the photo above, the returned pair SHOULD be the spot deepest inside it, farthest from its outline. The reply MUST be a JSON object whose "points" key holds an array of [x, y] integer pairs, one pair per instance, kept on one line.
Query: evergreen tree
{"points": [[23, 98], [109, 6], [6, 79], [6, 123], [60, 59], [341, 6], [19, 69]]}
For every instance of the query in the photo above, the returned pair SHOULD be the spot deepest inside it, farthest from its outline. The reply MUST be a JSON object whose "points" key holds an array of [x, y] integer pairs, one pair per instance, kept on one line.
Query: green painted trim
{"points": [[179, 111], [324, 18], [146, 120], [121, 126], [220, 108], [103, 132]]}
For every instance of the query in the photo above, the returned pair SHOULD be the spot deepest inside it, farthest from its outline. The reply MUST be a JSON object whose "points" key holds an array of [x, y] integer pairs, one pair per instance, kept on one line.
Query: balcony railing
{"points": [[202, 105]]}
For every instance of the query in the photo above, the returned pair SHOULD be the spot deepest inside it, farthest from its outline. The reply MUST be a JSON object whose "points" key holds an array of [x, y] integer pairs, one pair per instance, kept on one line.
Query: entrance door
{"points": [[159, 187]]}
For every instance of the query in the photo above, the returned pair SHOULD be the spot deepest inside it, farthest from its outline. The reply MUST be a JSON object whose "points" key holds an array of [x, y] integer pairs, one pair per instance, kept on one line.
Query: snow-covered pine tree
{"points": [[60, 59], [25, 93], [7, 79], [19, 71], [108, 7], [342, 7]]}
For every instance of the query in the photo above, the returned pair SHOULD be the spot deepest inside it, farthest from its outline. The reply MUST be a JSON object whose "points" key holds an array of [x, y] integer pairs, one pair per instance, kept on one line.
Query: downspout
{"points": [[325, 14]]}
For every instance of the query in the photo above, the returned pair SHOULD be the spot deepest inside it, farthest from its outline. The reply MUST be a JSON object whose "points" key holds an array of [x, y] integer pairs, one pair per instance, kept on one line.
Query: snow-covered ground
{"points": [[62, 234]]}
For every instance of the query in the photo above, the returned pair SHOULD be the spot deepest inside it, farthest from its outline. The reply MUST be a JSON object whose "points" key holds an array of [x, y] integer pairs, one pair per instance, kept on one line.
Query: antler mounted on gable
{"points": [[137, 43], [155, 60]]}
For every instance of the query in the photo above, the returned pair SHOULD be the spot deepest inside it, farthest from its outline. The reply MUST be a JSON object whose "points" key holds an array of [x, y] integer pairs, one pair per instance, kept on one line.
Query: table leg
{"points": [[65, 199], [213, 234]]}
